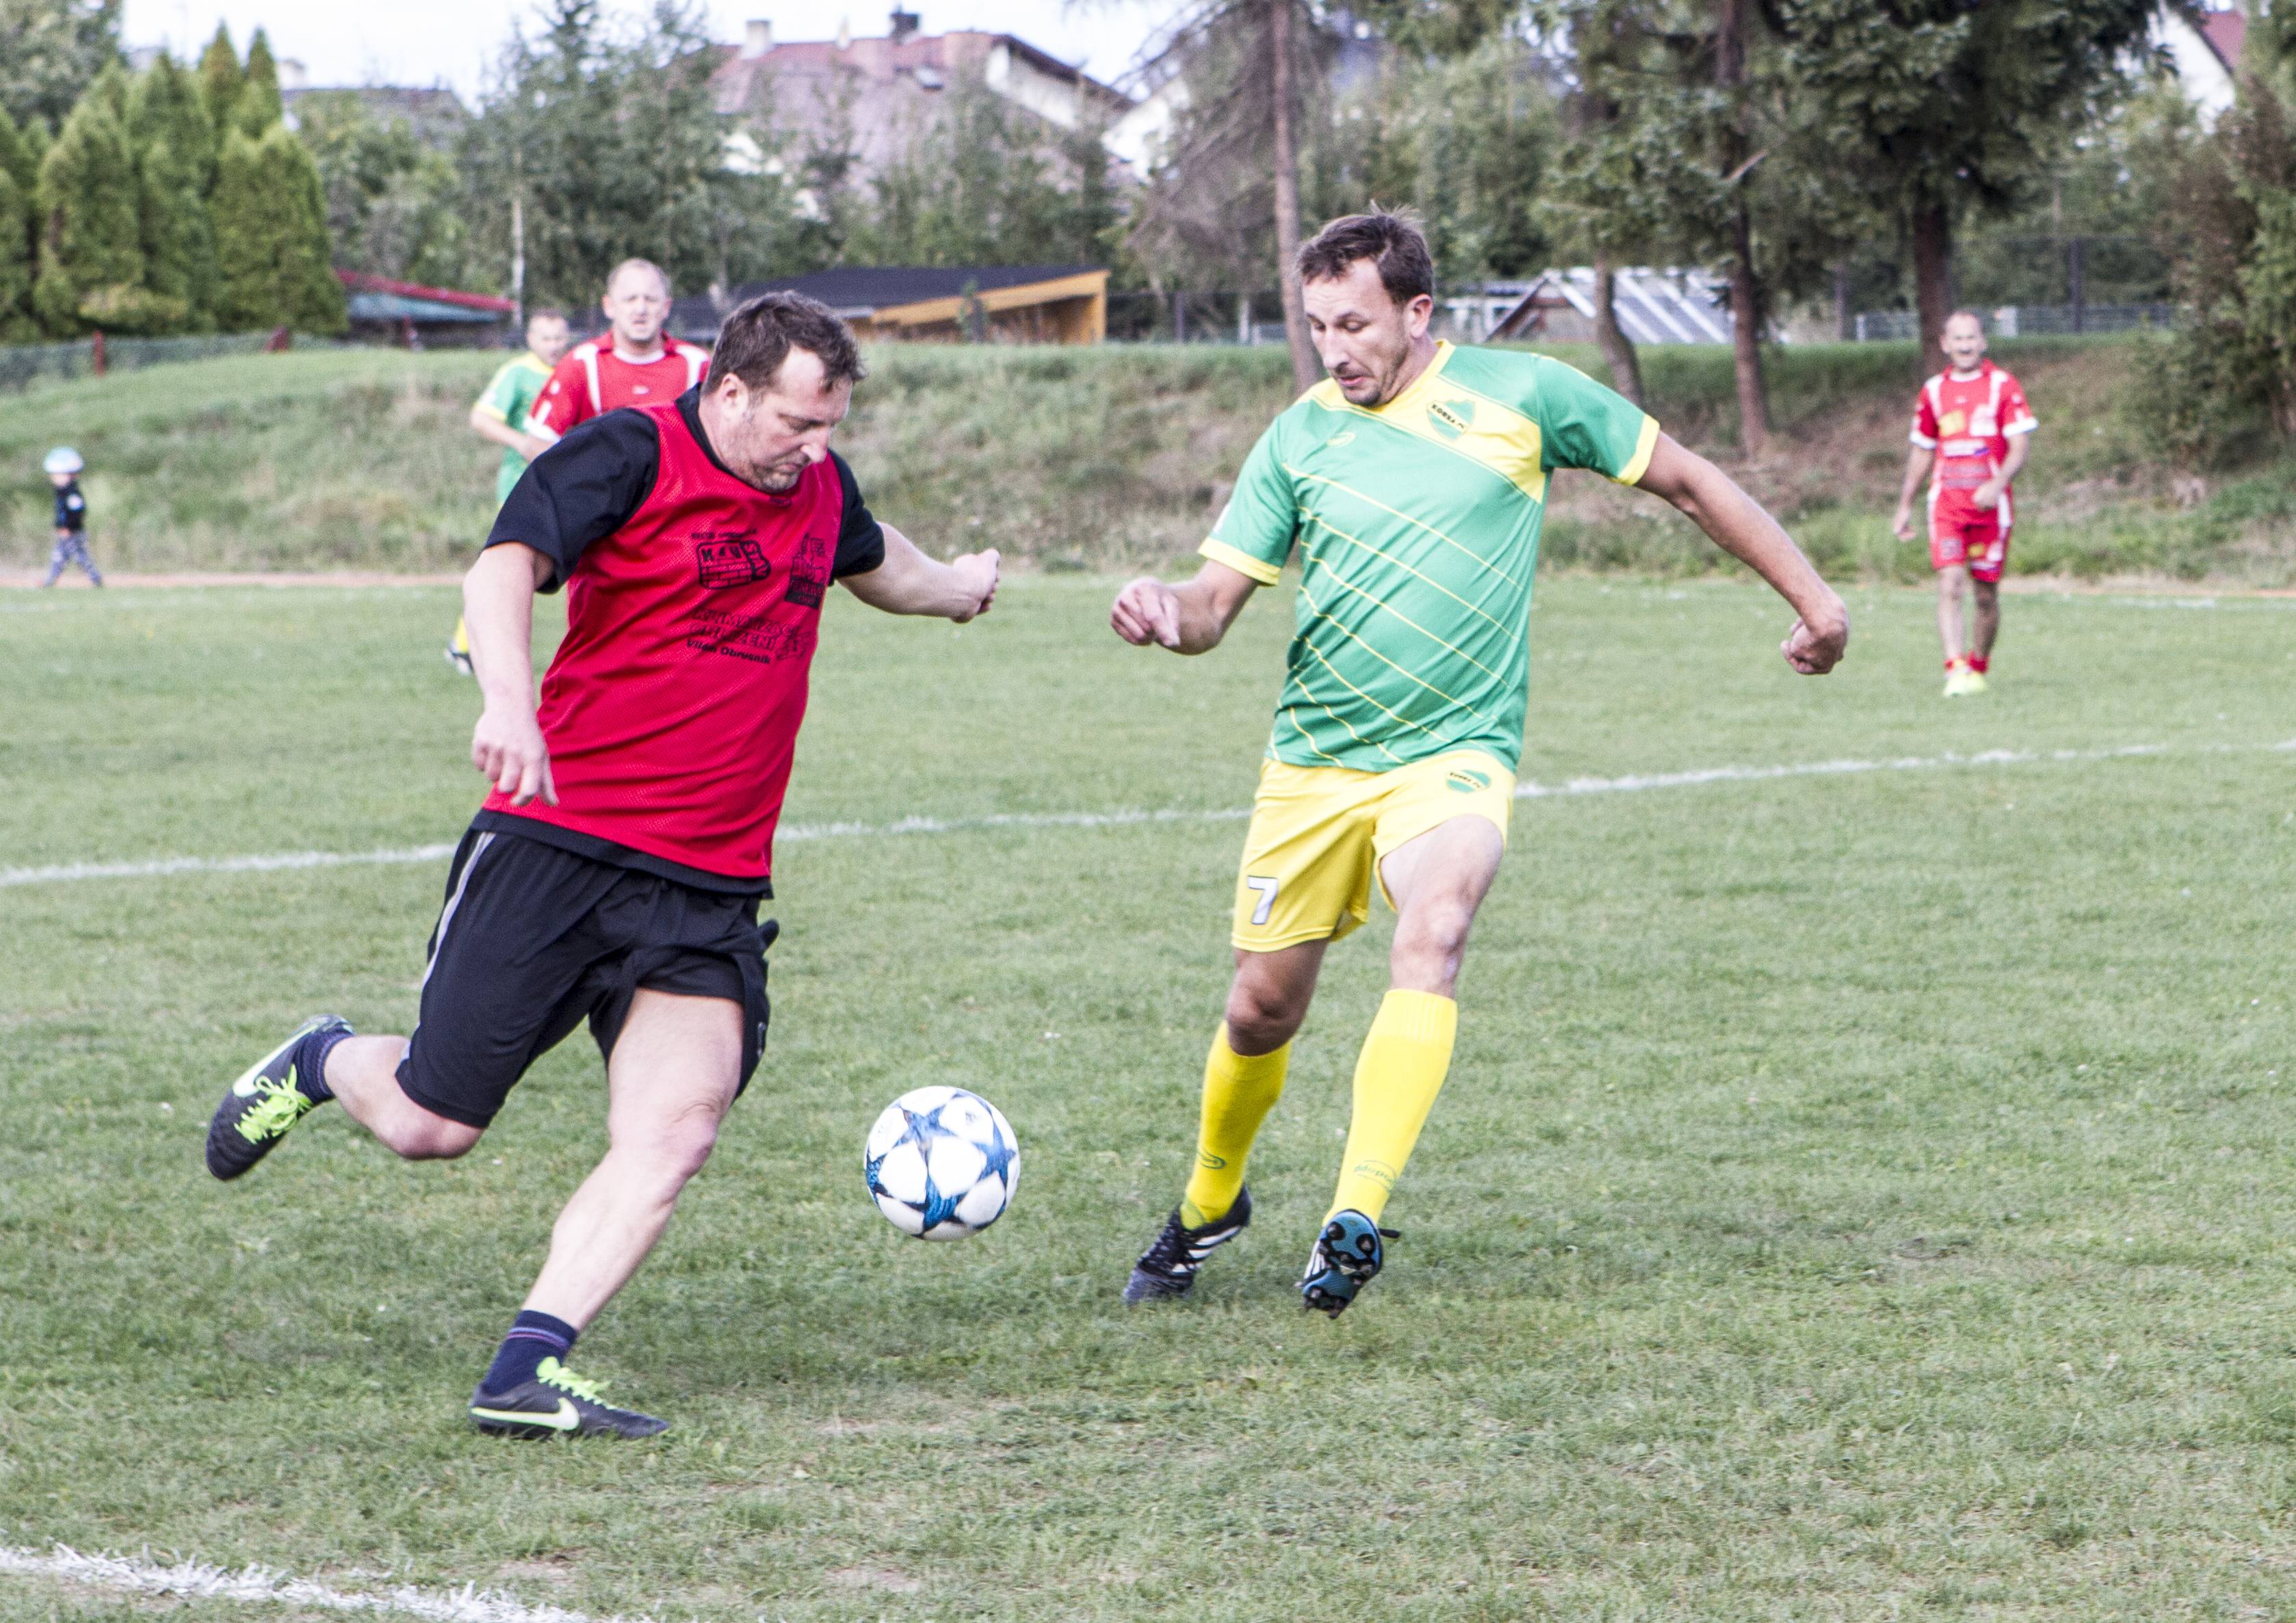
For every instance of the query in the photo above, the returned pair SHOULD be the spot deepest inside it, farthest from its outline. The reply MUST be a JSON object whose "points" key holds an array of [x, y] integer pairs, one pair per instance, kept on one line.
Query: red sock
{"points": [[1952, 664], [1977, 663]]}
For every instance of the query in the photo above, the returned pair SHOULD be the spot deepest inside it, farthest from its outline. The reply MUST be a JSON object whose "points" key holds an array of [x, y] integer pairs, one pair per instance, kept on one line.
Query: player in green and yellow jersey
{"points": [[499, 415], [1411, 481]]}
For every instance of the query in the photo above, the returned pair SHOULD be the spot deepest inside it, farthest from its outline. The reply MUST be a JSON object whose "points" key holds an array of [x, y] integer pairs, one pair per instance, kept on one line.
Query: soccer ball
{"points": [[941, 1163]]}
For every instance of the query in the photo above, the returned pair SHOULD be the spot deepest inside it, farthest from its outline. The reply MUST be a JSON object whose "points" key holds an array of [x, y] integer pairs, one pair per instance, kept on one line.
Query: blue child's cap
{"points": [[63, 459]]}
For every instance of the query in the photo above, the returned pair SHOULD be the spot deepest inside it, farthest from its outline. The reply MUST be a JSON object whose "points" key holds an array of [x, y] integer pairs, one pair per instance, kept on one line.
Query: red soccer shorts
{"points": [[1975, 537]]}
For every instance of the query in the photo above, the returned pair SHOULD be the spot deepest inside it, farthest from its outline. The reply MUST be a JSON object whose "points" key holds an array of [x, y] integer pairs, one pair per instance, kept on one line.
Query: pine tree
{"points": [[258, 107], [179, 249], [166, 105], [111, 86], [271, 237], [19, 173], [220, 79], [16, 262], [91, 268]]}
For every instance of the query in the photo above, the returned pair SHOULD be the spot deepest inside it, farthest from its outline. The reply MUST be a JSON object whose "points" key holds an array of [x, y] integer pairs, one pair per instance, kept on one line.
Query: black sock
{"points": [[311, 1063], [533, 1337]]}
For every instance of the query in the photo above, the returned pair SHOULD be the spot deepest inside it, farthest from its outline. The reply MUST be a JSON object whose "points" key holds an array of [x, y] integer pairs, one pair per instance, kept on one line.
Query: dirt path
{"points": [[30, 579]]}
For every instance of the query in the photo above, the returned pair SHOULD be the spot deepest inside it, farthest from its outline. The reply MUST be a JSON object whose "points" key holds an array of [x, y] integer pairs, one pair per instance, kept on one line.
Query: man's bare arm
{"points": [[498, 606], [1191, 618], [1737, 524], [1988, 493], [910, 583], [1917, 469], [486, 425]]}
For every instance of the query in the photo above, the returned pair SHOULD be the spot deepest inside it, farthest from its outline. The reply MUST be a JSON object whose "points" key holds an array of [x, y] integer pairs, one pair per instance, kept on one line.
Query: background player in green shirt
{"points": [[1413, 481], [499, 415]]}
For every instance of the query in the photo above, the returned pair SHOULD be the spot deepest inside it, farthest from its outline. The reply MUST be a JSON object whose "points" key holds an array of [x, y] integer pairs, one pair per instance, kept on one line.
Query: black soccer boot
{"points": [[1348, 1256], [557, 1402], [1167, 1268], [260, 1108]]}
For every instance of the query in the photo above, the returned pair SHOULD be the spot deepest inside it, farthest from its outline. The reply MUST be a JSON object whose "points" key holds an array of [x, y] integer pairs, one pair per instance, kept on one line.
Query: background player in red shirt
{"points": [[1972, 422], [616, 872], [634, 363]]}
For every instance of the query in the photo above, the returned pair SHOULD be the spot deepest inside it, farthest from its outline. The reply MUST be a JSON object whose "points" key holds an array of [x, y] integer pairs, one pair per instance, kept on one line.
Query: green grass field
{"points": [[1859, 1195]]}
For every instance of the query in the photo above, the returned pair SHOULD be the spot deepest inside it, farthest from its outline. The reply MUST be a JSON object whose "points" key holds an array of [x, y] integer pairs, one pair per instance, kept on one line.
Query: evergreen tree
{"points": [[166, 105], [179, 251], [51, 50], [91, 267], [271, 240], [16, 261], [111, 87], [17, 158], [220, 79], [258, 106]]}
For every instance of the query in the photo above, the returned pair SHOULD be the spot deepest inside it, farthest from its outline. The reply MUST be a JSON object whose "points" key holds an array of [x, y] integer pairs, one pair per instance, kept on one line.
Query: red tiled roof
{"points": [[2226, 32]]}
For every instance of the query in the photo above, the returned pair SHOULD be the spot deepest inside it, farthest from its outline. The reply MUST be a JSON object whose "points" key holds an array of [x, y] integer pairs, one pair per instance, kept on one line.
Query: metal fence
{"points": [[2027, 320], [21, 364]]}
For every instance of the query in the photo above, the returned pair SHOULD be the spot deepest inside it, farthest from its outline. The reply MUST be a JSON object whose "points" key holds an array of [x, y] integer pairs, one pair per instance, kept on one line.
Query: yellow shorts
{"points": [[1319, 833]]}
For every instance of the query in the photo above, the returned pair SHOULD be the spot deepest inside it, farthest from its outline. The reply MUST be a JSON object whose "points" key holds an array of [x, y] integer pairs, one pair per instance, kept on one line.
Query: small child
{"points": [[63, 465]]}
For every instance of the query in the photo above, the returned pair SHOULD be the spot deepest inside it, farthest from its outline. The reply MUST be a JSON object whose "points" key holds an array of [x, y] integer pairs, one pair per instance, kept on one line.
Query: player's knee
{"points": [[434, 1138], [675, 1147], [1261, 1019]]}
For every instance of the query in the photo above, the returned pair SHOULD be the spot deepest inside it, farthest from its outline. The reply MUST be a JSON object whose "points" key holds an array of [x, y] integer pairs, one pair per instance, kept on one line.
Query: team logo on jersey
{"points": [[1344, 436], [809, 578], [735, 561], [1451, 418], [1953, 422]]}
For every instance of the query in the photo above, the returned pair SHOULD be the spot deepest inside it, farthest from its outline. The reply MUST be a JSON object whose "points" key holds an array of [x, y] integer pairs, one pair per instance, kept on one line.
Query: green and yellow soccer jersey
{"points": [[1417, 523], [507, 400]]}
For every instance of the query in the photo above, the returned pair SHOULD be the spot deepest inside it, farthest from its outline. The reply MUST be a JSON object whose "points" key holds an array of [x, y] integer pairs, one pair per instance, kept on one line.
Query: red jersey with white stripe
{"points": [[592, 381], [671, 708], [1969, 421]]}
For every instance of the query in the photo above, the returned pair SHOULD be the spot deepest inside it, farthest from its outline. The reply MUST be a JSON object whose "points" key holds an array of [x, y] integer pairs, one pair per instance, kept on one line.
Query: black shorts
{"points": [[533, 939]]}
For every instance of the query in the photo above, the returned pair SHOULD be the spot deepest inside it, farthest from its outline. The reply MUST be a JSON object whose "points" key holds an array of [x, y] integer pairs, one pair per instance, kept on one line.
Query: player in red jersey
{"points": [[634, 363], [1971, 422], [616, 870]]}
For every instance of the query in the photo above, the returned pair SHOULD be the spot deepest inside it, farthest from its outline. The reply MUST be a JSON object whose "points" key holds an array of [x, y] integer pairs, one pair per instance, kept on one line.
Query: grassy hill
{"points": [[1098, 459]]}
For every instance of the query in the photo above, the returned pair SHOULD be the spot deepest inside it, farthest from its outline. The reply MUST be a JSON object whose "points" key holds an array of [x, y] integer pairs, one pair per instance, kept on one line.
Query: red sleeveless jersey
{"points": [[671, 708]]}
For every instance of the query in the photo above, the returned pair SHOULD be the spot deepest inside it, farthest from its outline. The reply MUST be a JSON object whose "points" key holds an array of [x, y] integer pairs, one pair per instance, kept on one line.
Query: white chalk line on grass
{"points": [[1631, 784], [196, 1580]]}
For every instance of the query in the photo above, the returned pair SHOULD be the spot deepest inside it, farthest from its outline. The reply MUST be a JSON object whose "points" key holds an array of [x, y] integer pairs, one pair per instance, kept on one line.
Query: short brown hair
{"points": [[1390, 239], [758, 337], [548, 312]]}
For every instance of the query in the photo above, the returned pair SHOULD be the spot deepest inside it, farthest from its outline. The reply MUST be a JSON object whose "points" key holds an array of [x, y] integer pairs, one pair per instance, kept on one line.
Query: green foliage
{"points": [[17, 261], [220, 78], [51, 51], [166, 105], [91, 243], [393, 201], [179, 249], [1467, 139], [985, 183], [271, 248], [258, 107]]}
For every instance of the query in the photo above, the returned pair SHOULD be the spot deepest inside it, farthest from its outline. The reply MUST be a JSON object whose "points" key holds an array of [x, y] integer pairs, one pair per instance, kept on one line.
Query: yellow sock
{"points": [[1239, 1091], [1404, 1062], [462, 634]]}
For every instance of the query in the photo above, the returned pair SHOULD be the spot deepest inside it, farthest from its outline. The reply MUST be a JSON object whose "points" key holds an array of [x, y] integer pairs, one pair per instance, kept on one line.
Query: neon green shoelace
{"points": [[282, 1106], [550, 1371]]}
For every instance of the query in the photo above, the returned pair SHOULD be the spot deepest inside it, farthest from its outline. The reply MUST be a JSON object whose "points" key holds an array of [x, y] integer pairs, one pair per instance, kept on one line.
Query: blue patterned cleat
{"points": [[557, 1402], [1167, 1268], [260, 1108], [1348, 1256]]}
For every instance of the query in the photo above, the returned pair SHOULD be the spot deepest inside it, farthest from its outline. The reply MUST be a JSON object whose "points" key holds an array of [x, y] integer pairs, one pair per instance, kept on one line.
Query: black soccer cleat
{"points": [[1167, 1268], [260, 1108], [1348, 1256], [557, 1402]]}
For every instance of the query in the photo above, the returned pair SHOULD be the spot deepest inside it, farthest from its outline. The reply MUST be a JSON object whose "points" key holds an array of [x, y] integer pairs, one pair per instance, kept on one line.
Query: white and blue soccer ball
{"points": [[941, 1163]]}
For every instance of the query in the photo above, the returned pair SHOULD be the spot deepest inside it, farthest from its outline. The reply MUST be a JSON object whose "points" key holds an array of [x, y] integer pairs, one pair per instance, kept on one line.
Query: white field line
{"points": [[196, 1580], [1631, 784]]}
